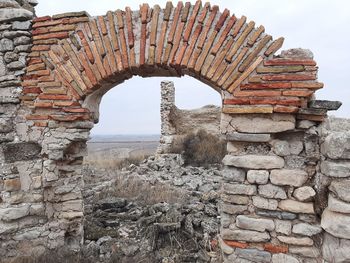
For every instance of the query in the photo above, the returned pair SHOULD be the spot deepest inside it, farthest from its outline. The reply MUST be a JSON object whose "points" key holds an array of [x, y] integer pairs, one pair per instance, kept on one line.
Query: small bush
{"points": [[203, 149]]}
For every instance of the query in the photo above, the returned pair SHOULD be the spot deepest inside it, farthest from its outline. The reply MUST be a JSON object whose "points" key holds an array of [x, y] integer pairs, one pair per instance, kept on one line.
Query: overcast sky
{"points": [[319, 25]]}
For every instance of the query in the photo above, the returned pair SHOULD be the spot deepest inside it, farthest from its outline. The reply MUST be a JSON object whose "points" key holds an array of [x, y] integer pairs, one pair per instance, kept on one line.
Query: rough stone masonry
{"points": [[285, 198]]}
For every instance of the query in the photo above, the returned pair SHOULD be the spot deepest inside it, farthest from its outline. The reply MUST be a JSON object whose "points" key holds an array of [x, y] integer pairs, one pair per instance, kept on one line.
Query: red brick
{"points": [[207, 26], [285, 77], [34, 61], [144, 13], [257, 93], [54, 97], [41, 104], [285, 109], [128, 16], [307, 85], [238, 26], [69, 118], [275, 248], [41, 123], [298, 93], [75, 110], [224, 35], [175, 23], [236, 244], [276, 45], [41, 47], [40, 31], [41, 19], [188, 30], [59, 35], [236, 102], [204, 12], [86, 46], [102, 23], [66, 103], [289, 62], [276, 85], [275, 101], [222, 20], [143, 44], [34, 90]]}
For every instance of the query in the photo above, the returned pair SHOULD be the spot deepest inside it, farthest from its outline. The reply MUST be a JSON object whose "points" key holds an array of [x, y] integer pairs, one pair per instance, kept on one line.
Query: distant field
{"points": [[111, 150]]}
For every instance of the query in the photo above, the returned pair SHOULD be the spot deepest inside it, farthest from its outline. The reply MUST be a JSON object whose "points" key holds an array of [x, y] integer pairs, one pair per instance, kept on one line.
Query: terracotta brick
{"points": [[236, 244], [167, 11], [222, 20], [154, 25], [46, 78], [50, 84], [307, 85], [261, 45], [224, 35], [275, 45], [143, 44], [43, 96], [285, 69], [268, 85], [298, 93], [59, 35], [128, 17], [290, 62], [219, 58], [45, 42], [59, 91], [69, 118], [247, 109], [97, 37], [180, 54], [277, 100], [188, 30], [203, 13], [72, 55], [112, 30], [75, 110], [205, 51], [42, 104], [66, 103], [175, 23], [192, 44], [36, 67], [38, 73], [245, 74], [255, 35], [34, 61], [98, 60], [291, 77], [185, 12], [123, 48], [238, 26], [310, 117], [34, 90], [240, 101], [40, 31], [160, 44], [144, 13], [30, 83], [88, 71], [37, 117], [86, 46], [275, 248], [120, 20], [62, 28], [41, 123], [207, 26], [102, 24], [176, 43], [257, 93], [240, 41], [285, 109], [41, 19]]}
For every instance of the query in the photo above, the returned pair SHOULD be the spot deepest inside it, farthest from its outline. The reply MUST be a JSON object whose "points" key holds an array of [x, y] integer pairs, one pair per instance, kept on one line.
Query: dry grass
{"points": [[116, 164], [135, 188]]}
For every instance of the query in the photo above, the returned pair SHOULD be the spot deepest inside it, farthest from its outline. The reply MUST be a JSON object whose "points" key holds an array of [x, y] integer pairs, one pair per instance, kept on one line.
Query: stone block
{"points": [[337, 205], [337, 169], [10, 14], [341, 189], [276, 214], [13, 213], [309, 252], [245, 235], [233, 209], [288, 177], [305, 229], [248, 137], [296, 207], [6, 44], [335, 250], [232, 174], [337, 145], [298, 241], [336, 224], [258, 176], [24, 151], [263, 203], [254, 161], [240, 189], [283, 227], [283, 258], [11, 185], [305, 193], [17, 25], [256, 224], [254, 255], [272, 191], [235, 199]]}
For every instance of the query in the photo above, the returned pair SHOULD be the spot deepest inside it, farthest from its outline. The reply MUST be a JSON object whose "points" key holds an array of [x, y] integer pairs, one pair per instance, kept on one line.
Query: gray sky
{"points": [[319, 25]]}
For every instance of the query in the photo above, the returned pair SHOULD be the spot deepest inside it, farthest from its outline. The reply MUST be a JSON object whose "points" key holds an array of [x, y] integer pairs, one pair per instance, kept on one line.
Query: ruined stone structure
{"points": [[286, 197]]}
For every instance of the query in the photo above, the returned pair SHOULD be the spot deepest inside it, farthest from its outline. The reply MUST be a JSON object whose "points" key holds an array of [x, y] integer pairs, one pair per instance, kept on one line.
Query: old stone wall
{"points": [[285, 197]]}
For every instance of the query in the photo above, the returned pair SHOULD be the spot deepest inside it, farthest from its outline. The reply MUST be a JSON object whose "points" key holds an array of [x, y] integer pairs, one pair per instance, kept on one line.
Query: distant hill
{"points": [[124, 138]]}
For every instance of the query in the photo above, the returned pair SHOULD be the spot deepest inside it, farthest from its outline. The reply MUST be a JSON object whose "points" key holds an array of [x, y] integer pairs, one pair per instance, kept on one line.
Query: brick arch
{"points": [[75, 55]]}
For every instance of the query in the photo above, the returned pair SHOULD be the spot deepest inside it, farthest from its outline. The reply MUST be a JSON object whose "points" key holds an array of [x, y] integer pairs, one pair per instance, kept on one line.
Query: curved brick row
{"points": [[74, 54]]}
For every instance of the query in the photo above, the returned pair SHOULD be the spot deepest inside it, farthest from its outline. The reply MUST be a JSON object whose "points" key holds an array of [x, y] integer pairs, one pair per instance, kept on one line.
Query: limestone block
{"points": [[305, 229], [233, 209], [254, 255], [258, 176], [17, 25], [298, 241], [337, 205], [232, 174], [257, 224], [248, 137], [309, 252], [12, 213], [240, 189], [254, 161], [336, 224], [288, 177], [337, 169], [341, 190], [245, 235], [305, 193], [263, 203], [296, 207], [235, 199], [283, 227], [283, 258], [10, 14], [9, 3], [335, 249], [272, 191], [276, 214], [337, 145], [6, 44]]}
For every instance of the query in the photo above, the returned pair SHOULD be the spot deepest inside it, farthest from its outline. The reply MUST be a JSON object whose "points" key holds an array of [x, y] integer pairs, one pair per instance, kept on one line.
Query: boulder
{"points": [[337, 205], [254, 255]]}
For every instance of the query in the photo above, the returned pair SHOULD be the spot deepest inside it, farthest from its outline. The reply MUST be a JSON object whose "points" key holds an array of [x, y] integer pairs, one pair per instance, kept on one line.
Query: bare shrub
{"points": [[203, 149]]}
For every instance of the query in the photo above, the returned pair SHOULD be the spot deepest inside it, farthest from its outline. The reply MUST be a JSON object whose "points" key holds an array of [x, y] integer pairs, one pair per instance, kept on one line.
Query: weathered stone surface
{"points": [[276, 214], [11, 185], [254, 255], [337, 205], [298, 241], [335, 250], [232, 174], [6, 44], [272, 191], [254, 123], [233, 209], [297, 53], [263, 203], [23, 40], [9, 3], [248, 137], [240, 189], [245, 235], [341, 190], [296, 207], [306, 229], [254, 161], [258, 176], [337, 145], [283, 258], [305, 193], [283, 227], [305, 124], [257, 224], [338, 169], [9, 214], [325, 104], [21, 151], [16, 25], [310, 252], [235, 199], [336, 224], [15, 65], [288, 177], [9, 14]]}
